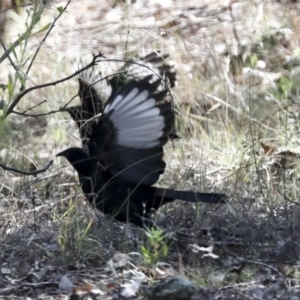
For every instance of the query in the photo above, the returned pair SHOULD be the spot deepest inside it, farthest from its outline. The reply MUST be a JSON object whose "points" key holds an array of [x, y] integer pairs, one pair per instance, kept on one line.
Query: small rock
{"points": [[5, 271], [119, 260], [175, 288], [65, 284]]}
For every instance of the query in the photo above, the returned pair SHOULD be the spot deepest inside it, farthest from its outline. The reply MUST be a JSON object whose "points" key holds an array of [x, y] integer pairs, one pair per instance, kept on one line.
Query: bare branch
{"points": [[27, 172], [15, 6], [61, 109], [31, 108], [8, 56], [24, 92], [46, 35], [39, 115]]}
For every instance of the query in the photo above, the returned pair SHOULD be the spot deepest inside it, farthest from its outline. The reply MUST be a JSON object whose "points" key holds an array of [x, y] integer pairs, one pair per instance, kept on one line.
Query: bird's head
{"points": [[77, 157]]}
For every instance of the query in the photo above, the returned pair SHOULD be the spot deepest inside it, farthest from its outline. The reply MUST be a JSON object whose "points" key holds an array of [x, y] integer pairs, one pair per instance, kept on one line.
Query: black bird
{"points": [[91, 103], [126, 155], [91, 84]]}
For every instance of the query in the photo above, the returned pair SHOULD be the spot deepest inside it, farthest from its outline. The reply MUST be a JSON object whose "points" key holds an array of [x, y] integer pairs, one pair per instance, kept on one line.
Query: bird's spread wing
{"points": [[81, 117], [90, 91], [94, 90], [155, 64], [131, 132]]}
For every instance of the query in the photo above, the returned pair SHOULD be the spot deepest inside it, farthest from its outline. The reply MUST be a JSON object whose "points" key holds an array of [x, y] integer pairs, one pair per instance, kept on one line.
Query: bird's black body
{"points": [[125, 155]]}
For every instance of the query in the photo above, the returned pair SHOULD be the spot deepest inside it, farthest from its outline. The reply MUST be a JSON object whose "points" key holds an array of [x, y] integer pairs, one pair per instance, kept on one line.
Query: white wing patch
{"points": [[120, 101], [90, 78], [137, 120]]}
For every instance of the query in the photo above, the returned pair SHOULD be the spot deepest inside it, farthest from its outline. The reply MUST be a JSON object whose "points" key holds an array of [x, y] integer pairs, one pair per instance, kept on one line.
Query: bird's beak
{"points": [[60, 153]]}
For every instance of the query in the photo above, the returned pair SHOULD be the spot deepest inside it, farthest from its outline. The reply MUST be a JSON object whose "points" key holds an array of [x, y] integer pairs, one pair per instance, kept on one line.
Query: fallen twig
{"points": [[27, 172]]}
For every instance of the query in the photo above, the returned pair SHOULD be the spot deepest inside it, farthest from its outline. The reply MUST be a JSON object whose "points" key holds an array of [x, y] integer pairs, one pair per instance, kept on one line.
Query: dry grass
{"points": [[237, 104]]}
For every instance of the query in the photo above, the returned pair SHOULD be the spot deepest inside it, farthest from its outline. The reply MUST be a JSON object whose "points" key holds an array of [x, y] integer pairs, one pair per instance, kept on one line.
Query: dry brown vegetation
{"points": [[237, 102]]}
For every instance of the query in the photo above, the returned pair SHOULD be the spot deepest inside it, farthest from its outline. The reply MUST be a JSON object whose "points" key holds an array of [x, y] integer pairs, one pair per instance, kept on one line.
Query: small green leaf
{"points": [[46, 27], [18, 4], [10, 86], [146, 254], [164, 250], [2, 104], [22, 79], [253, 61], [60, 9]]}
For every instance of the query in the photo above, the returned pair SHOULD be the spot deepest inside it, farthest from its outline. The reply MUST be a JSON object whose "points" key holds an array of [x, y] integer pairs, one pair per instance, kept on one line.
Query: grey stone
{"points": [[174, 288]]}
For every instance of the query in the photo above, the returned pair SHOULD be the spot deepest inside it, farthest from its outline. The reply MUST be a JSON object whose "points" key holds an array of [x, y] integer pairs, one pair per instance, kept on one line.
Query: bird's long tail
{"points": [[191, 196]]}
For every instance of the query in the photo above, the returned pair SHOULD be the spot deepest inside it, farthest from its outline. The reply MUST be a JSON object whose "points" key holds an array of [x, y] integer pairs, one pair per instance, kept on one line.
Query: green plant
{"points": [[284, 86], [158, 248], [74, 231], [21, 60]]}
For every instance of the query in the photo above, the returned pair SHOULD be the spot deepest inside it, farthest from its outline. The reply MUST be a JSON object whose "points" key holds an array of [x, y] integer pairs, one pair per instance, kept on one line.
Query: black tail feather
{"points": [[191, 196]]}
